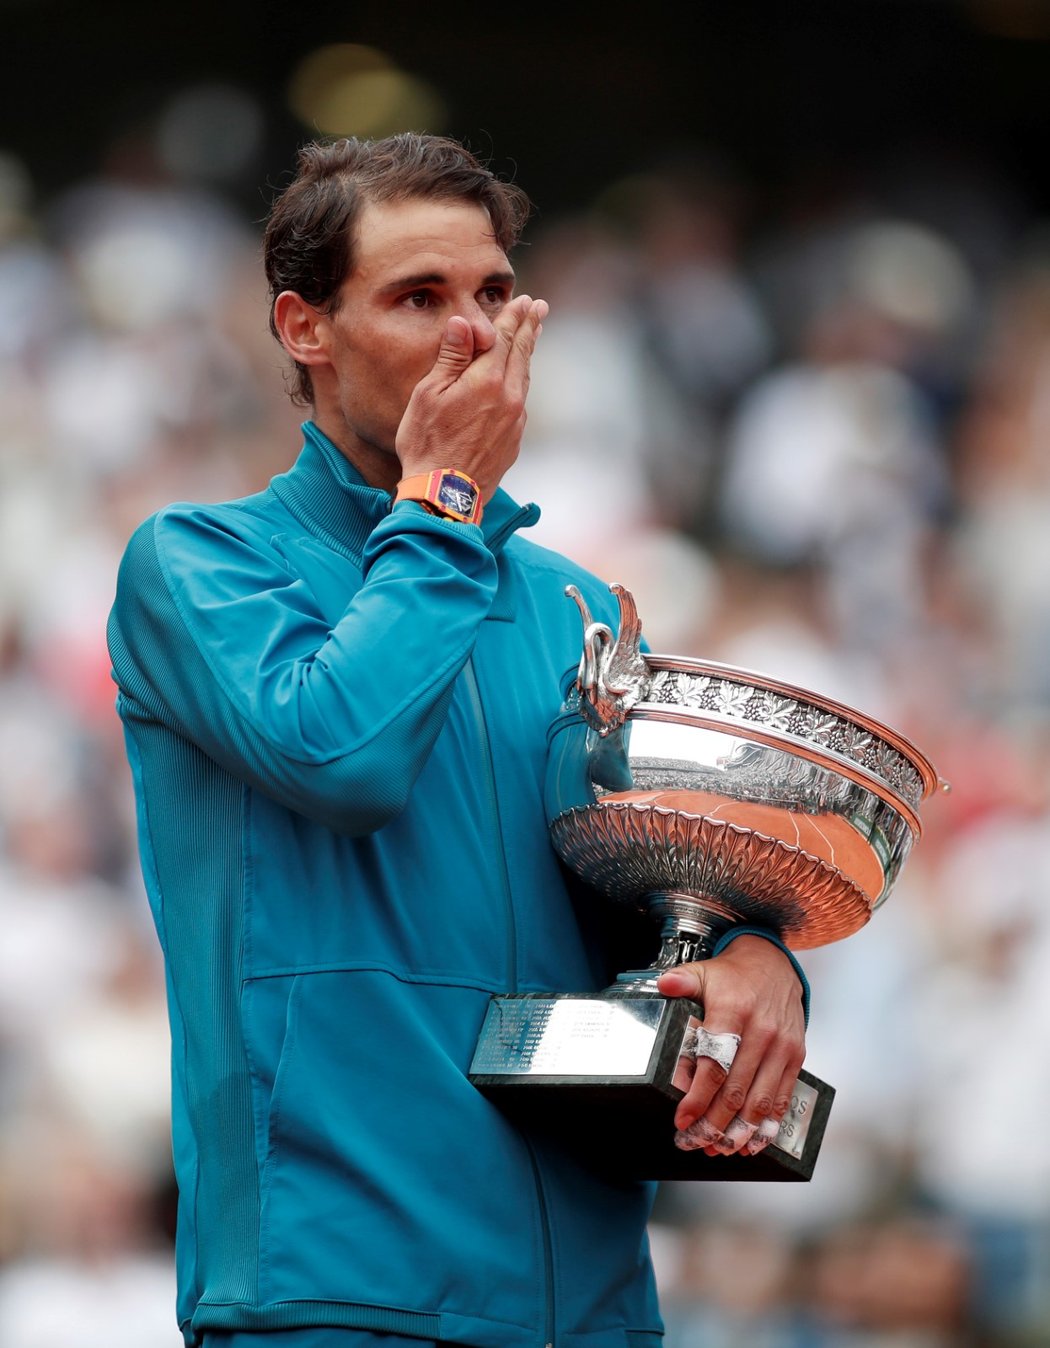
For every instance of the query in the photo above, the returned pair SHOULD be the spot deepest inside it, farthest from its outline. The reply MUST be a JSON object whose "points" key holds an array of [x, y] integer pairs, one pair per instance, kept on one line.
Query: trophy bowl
{"points": [[713, 796], [708, 797]]}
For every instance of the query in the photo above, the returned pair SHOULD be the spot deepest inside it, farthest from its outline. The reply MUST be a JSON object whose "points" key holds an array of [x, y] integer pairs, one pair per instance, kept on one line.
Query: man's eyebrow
{"points": [[434, 278]]}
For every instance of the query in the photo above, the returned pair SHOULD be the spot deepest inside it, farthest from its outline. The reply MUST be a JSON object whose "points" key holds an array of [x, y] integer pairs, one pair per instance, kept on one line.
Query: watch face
{"points": [[455, 494]]}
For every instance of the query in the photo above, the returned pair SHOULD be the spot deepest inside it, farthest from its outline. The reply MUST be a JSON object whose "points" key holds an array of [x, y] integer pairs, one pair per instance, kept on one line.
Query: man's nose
{"points": [[480, 321]]}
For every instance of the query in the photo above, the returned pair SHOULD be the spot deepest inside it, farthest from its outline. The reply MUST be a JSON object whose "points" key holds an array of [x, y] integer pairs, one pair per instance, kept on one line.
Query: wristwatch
{"points": [[444, 491]]}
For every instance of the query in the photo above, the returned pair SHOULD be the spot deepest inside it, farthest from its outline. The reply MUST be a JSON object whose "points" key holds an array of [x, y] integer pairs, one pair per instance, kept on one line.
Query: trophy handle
{"points": [[613, 674]]}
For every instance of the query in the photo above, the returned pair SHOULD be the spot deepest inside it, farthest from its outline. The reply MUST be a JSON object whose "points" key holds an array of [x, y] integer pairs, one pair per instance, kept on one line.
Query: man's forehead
{"points": [[391, 233]]}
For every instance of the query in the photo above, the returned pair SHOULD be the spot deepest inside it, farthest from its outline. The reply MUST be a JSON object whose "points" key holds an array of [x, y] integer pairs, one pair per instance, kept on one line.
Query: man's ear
{"points": [[302, 328]]}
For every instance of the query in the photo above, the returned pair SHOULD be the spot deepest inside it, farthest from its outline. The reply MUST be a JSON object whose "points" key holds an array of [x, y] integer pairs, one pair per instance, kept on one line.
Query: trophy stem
{"points": [[691, 927]]}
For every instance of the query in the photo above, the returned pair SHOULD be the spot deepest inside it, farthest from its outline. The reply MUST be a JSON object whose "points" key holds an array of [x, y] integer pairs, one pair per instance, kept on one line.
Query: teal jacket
{"points": [[335, 713]]}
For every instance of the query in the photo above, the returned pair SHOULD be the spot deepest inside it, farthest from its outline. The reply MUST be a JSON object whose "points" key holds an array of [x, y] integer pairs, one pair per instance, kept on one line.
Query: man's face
{"points": [[417, 263]]}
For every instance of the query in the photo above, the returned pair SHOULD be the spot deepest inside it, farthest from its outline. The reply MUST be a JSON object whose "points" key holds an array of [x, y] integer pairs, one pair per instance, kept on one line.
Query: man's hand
{"points": [[750, 990], [469, 411]]}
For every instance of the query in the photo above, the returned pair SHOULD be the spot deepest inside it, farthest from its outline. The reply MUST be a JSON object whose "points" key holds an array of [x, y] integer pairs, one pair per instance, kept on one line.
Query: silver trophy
{"points": [[708, 797]]}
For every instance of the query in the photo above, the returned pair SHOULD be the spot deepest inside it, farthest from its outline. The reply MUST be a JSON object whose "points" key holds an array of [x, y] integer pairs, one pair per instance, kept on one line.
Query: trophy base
{"points": [[604, 1073]]}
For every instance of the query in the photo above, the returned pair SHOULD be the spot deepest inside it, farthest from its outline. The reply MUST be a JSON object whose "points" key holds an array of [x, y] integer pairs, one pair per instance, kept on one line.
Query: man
{"points": [[336, 695]]}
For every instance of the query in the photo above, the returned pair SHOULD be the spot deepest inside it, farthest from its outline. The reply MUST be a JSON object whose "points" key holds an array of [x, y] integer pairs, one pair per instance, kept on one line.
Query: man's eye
{"points": [[495, 297], [419, 299]]}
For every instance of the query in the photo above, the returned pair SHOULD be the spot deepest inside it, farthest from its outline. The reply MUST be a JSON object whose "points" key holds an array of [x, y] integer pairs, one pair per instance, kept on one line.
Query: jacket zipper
{"points": [[489, 780], [548, 1255]]}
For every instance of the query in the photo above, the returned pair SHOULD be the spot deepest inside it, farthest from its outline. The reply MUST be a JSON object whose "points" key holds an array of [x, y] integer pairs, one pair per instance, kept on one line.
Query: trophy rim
{"points": [[657, 661], [782, 739]]}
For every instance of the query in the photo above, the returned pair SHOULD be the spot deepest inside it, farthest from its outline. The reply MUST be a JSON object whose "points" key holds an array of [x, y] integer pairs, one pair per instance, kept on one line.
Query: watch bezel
{"points": [[460, 483]]}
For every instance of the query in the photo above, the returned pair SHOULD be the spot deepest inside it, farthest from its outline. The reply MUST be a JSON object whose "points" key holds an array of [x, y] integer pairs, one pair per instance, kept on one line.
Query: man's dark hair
{"points": [[308, 246]]}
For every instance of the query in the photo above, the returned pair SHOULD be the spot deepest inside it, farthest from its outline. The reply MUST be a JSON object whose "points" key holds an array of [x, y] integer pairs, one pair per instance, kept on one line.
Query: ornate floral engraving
{"points": [[664, 688], [699, 692], [759, 706], [733, 698]]}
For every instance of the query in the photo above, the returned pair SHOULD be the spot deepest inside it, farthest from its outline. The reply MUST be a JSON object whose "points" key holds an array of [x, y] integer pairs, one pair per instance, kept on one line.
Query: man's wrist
{"points": [[767, 934]]}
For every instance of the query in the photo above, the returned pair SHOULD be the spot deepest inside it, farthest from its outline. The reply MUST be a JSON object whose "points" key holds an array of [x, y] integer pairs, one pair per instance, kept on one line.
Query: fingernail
{"points": [[455, 336], [542, 309], [701, 1134], [738, 1133], [766, 1133]]}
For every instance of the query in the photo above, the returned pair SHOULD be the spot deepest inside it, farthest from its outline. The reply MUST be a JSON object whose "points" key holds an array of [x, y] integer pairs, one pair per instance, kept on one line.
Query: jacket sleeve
{"points": [[213, 635]]}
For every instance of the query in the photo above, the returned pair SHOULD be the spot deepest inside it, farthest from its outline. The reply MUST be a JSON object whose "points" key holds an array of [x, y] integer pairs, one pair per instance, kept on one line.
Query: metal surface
{"points": [[705, 796], [711, 795], [603, 1075], [577, 1037]]}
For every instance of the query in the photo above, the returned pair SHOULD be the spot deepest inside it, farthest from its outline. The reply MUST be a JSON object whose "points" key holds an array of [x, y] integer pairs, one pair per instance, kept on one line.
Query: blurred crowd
{"points": [[809, 428]]}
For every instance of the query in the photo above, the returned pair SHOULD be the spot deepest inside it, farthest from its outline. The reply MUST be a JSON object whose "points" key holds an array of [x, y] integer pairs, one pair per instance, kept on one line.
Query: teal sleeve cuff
{"points": [[727, 937]]}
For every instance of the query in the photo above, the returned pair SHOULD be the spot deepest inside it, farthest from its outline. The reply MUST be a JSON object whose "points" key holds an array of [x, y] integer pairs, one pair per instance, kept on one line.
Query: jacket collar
{"points": [[323, 489]]}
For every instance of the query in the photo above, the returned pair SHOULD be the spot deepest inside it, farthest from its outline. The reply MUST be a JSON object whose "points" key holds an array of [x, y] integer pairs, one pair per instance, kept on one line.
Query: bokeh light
{"points": [[348, 89], [210, 131]]}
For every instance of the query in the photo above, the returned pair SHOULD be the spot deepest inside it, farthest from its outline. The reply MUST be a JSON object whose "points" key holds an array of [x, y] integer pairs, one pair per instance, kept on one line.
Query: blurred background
{"points": [[794, 390]]}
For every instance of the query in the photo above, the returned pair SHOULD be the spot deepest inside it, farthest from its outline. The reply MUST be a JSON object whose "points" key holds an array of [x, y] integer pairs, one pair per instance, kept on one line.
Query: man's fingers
{"points": [[760, 1103], [468, 409], [707, 1082], [749, 989], [517, 328], [732, 1093], [765, 1133], [520, 342], [455, 352], [681, 981], [699, 1136], [723, 1101], [507, 324], [714, 1055], [732, 1117], [760, 1118], [770, 1126], [749, 1122]]}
